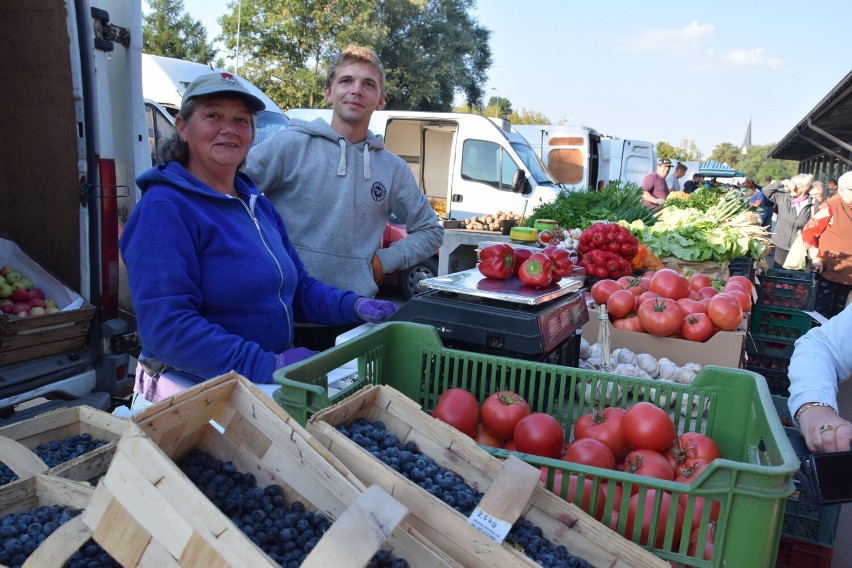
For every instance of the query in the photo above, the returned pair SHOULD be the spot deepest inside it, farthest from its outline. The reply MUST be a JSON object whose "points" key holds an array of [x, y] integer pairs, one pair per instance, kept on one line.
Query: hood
{"points": [[174, 174], [321, 128]]}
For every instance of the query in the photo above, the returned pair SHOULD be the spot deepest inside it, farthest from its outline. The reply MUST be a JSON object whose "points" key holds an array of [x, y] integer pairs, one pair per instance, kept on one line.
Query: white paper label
{"points": [[493, 528]]}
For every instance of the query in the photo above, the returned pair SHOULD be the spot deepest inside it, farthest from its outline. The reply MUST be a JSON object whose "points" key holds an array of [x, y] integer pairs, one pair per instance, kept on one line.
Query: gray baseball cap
{"points": [[221, 82]]}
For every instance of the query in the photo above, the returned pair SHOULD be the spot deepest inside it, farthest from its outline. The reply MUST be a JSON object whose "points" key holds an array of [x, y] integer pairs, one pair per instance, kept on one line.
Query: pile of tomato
{"points": [[667, 304], [640, 440]]}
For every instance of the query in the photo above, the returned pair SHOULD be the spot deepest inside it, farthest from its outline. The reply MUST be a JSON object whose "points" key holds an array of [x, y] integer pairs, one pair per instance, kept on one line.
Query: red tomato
{"points": [[630, 322], [615, 494], [539, 434], [667, 507], [725, 311], [646, 278], [690, 447], [698, 508], [649, 463], [604, 425], [620, 303], [647, 295], [741, 297], [669, 283], [589, 451], [460, 409], [602, 289], [660, 317], [698, 281], [483, 438], [746, 283], [632, 283], [688, 474], [501, 411], [646, 426], [735, 286], [708, 292], [584, 500], [697, 327], [709, 538], [690, 306], [509, 445]]}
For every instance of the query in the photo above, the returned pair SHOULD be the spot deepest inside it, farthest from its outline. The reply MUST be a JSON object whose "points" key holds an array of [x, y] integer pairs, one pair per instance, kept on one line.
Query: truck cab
{"points": [[77, 118]]}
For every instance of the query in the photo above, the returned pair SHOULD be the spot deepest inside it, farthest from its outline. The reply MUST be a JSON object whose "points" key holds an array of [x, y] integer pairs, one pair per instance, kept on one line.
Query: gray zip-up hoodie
{"points": [[336, 198]]}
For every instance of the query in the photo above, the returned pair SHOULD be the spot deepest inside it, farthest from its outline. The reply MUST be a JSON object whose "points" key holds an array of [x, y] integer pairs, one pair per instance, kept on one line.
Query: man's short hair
{"points": [[681, 166], [696, 177], [356, 54]]}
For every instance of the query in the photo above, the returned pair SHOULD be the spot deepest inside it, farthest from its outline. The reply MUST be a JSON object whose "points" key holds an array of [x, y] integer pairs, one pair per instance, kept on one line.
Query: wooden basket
{"points": [[561, 522], [39, 336], [146, 512], [58, 425]]}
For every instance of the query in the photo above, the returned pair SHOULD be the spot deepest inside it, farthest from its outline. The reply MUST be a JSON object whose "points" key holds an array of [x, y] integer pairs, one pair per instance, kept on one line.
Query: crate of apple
{"points": [[18, 296]]}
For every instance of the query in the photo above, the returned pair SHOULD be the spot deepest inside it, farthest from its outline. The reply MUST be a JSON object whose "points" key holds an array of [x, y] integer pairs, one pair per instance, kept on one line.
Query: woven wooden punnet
{"points": [[146, 512], [561, 522]]}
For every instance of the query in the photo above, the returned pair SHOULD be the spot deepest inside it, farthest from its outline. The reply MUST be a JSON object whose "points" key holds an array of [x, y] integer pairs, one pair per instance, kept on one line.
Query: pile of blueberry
{"points": [[21, 534], [451, 489], [57, 452], [285, 533]]}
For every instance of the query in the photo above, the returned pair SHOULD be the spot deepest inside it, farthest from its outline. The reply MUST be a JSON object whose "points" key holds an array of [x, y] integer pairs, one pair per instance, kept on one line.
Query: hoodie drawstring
{"points": [[341, 166]]}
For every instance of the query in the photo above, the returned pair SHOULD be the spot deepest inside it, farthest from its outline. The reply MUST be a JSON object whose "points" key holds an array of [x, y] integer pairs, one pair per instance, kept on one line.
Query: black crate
{"points": [[742, 266], [794, 289], [773, 369], [784, 324]]}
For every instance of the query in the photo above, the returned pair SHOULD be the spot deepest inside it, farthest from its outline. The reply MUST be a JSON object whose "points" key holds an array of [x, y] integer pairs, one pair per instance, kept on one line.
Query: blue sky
{"points": [[659, 70]]}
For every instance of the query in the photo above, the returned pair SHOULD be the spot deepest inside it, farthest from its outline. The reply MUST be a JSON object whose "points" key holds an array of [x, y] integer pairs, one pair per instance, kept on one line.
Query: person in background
{"points": [[214, 278], [822, 360], [831, 186], [654, 188], [673, 180], [794, 211], [691, 185], [336, 188], [819, 194], [757, 200], [766, 181], [828, 236]]}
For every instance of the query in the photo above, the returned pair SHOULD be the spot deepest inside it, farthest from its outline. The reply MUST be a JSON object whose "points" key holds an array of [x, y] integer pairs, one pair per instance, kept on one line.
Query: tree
{"points": [[498, 106], [727, 153], [526, 116], [168, 30], [686, 151], [756, 165], [665, 150]]}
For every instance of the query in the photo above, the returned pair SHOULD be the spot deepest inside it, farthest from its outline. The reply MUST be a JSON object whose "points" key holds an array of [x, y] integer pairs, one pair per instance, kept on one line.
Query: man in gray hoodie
{"points": [[336, 187]]}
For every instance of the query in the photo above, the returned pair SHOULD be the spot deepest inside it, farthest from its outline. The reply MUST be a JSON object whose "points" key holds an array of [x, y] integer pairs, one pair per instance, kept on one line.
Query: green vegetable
{"points": [[579, 209]]}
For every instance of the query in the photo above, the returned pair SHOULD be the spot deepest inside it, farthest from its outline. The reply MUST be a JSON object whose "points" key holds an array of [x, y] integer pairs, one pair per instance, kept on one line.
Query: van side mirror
{"points": [[520, 184]]}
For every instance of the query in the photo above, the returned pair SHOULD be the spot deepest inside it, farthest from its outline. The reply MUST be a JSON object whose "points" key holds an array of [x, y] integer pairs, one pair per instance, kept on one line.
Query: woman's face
{"points": [[799, 190], [219, 132]]}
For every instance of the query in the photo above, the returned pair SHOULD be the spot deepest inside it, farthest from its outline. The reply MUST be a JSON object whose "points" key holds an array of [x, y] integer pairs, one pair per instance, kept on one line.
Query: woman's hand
{"points": [[824, 430], [815, 262]]}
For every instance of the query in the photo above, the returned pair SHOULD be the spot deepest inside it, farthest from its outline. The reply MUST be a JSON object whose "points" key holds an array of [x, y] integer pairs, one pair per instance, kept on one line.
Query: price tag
{"points": [[493, 528]]}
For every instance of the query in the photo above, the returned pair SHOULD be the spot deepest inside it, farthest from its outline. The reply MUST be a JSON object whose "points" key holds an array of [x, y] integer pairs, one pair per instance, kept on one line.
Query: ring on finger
{"points": [[826, 428]]}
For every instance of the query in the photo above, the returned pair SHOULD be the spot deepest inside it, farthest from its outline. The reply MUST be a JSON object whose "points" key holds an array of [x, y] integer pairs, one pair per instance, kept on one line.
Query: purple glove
{"points": [[374, 311], [291, 356]]}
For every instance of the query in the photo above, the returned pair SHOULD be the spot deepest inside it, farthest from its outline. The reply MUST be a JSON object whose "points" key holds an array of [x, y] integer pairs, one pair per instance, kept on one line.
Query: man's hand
{"points": [[659, 201], [378, 273]]}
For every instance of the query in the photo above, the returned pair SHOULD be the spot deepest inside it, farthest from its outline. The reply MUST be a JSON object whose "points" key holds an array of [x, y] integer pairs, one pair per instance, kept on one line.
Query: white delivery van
{"points": [[77, 118], [164, 80], [580, 157]]}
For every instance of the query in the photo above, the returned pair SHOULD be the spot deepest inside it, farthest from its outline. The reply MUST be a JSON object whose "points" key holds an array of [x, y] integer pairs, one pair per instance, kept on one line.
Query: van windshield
{"points": [[534, 165]]}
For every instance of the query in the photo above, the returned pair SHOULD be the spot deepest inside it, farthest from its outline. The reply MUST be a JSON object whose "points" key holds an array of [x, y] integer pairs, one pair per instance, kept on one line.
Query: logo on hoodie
{"points": [[378, 191]]}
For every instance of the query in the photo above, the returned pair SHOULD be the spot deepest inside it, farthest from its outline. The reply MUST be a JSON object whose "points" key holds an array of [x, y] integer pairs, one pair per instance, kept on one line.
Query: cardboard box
{"points": [[49, 334], [724, 349]]}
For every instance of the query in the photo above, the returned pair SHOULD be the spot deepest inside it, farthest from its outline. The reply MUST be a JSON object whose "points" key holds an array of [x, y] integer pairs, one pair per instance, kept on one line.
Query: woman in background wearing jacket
{"points": [[794, 211]]}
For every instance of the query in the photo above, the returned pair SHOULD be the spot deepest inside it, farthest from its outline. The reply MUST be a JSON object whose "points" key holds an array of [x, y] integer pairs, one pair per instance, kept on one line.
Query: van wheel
{"points": [[409, 278]]}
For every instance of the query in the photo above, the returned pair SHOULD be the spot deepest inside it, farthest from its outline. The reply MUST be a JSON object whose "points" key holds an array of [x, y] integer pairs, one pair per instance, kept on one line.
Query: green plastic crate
{"points": [[751, 483], [769, 322], [794, 289]]}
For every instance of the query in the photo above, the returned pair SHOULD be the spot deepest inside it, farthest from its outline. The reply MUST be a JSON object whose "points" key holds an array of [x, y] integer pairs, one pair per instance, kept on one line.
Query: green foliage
{"points": [[701, 199], [526, 116], [756, 164], [580, 208], [665, 150], [727, 153], [169, 31], [684, 152]]}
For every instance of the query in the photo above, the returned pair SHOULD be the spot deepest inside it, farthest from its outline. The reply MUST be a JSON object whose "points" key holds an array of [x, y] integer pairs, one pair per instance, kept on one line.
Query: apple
{"points": [[6, 291], [18, 307], [6, 307], [20, 295], [37, 311], [36, 303], [23, 314], [26, 282], [36, 293], [2, 280], [51, 310], [12, 277], [6, 270], [50, 303]]}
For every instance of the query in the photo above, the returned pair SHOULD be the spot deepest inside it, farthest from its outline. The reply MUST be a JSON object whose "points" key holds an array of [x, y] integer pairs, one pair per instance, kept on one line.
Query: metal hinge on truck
{"points": [[105, 33]]}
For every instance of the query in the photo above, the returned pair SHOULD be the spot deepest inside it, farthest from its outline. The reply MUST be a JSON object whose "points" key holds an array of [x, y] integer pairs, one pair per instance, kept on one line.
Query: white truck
{"points": [[580, 157], [74, 137]]}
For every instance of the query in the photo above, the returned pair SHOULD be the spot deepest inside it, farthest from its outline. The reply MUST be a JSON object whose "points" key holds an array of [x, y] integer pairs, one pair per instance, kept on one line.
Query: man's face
{"points": [[355, 92], [663, 170], [832, 187]]}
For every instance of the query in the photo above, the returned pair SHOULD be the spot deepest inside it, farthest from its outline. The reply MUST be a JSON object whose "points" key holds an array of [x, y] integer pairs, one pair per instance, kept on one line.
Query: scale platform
{"points": [[471, 282]]}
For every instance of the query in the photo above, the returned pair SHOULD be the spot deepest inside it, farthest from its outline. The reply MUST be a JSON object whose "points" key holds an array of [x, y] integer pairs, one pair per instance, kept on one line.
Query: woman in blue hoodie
{"points": [[215, 281]]}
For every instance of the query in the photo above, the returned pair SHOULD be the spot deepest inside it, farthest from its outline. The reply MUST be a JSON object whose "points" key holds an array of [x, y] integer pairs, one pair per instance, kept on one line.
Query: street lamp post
{"points": [[497, 110]]}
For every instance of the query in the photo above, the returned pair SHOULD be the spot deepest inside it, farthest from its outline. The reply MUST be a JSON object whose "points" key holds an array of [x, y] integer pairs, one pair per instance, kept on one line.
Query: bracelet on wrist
{"points": [[808, 405]]}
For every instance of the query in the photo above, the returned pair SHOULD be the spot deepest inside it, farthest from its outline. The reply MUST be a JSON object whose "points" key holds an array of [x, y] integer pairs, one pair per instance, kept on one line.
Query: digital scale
{"points": [[502, 317]]}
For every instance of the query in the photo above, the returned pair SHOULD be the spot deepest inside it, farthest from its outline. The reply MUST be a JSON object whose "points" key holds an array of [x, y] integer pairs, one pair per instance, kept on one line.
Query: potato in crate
{"points": [[444, 449], [149, 512], [750, 482]]}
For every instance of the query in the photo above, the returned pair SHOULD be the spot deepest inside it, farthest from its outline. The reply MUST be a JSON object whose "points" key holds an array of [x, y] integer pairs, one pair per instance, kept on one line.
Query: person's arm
{"points": [[648, 190], [425, 233], [821, 361], [263, 163]]}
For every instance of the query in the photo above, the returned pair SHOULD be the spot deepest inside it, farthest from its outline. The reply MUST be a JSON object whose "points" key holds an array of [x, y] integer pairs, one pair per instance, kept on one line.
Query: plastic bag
{"points": [[796, 257]]}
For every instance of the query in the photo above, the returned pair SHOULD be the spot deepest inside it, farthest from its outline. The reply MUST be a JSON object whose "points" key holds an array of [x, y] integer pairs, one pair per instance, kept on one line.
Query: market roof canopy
{"points": [[713, 168], [825, 130]]}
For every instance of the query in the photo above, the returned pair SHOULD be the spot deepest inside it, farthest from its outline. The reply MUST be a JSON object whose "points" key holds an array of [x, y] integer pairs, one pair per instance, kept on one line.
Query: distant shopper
{"points": [[829, 236], [673, 181], [831, 186], [691, 185], [794, 211], [821, 361], [766, 181], [819, 193], [654, 188], [757, 200]]}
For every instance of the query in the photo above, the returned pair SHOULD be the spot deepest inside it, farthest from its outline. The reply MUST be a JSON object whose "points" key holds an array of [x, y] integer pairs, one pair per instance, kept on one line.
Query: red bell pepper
{"points": [[521, 254], [563, 266], [536, 271], [497, 261]]}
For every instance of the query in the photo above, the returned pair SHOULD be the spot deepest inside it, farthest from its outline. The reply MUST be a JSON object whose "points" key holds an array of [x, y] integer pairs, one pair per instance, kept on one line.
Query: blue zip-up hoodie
{"points": [[215, 281]]}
